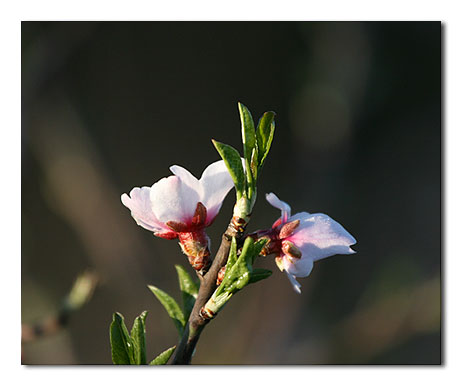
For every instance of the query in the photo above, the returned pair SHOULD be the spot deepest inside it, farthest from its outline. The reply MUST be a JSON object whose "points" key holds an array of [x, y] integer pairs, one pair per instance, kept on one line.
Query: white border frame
{"points": [[11, 15]]}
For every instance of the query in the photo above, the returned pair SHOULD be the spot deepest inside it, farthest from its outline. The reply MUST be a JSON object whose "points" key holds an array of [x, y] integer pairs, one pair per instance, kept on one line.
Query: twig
{"points": [[196, 322]]}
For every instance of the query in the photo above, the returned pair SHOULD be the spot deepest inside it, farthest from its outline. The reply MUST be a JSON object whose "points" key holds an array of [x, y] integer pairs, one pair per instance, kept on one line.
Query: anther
{"points": [[288, 229], [290, 249]]}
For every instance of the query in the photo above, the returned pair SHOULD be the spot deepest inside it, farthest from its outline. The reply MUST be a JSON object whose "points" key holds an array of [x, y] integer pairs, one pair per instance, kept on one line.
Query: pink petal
{"points": [[140, 207], [318, 236], [280, 204], [173, 200], [299, 267], [216, 182], [296, 285]]}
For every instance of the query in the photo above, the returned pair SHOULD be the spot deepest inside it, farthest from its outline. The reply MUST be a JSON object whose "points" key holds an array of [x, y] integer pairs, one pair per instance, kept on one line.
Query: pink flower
{"points": [[300, 240], [181, 206]]}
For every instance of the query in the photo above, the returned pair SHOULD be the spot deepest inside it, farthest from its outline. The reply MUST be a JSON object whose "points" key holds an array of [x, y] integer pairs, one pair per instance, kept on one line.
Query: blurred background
{"points": [[111, 105]]}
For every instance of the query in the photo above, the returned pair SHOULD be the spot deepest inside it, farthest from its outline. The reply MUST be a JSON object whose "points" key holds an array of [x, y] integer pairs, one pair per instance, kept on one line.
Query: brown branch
{"points": [[196, 322]]}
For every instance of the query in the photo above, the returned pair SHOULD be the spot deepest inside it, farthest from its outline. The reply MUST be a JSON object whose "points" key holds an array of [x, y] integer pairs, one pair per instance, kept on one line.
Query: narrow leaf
{"points": [[254, 163], [233, 162], [257, 248], [171, 306], [164, 357], [249, 250], [267, 146], [137, 334], [248, 132], [121, 343], [189, 290], [263, 133], [232, 257], [237, 276], [259, 274]]}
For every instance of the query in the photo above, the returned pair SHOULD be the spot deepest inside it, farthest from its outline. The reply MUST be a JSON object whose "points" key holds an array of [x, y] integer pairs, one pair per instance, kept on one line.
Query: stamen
{"points": [[288, 229], [290, 249]]}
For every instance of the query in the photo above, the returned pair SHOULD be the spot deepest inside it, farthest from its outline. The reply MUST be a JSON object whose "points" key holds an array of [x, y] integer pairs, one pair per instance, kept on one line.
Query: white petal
{"points": [[139, 204], [299, 267], [216, 182], [296, 285], [187, 178], [318, 236], [172, 200], [280, 204]]}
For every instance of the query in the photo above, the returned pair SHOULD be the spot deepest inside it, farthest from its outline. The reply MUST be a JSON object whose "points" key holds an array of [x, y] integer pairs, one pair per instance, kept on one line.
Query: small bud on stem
{"points": [[221, 274], [195, 245]]}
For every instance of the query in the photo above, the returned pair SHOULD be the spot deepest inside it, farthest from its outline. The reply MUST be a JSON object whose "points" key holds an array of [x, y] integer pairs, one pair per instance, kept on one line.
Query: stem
{"points": [[196, 322]]}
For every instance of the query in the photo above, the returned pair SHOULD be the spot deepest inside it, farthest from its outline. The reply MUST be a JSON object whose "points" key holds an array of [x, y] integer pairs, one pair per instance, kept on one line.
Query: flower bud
{"points": [[221, 275], [195, 245]]}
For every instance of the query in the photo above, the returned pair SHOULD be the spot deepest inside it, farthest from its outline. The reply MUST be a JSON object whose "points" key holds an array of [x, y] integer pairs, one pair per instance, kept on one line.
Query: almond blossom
{"points": [[181, 206], [300, 240]]}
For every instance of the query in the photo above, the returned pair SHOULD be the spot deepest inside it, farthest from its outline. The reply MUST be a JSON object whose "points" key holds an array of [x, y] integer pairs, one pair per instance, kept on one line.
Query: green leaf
{"points": [[233, 162], [239, 273], [264, 136], [249, 251], [237, 276], [164, 357], [171, 306], [254, 163], [259, 274], [263, 132], [189, 290], [121, 342], [257, 248], [248, 132], [138, 339], [232, 257]]}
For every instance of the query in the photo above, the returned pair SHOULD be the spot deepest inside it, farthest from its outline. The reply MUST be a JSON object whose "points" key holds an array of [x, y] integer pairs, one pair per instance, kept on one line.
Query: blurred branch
{"points": [[81, 293]]}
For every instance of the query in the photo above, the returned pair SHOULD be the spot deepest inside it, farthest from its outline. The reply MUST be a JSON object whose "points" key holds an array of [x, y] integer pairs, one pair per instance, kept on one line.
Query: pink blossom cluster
{"points": [[181, 207]]}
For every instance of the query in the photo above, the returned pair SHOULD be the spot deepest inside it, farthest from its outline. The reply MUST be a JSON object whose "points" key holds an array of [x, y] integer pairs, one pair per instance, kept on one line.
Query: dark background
{"points": [[109, 106]]}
